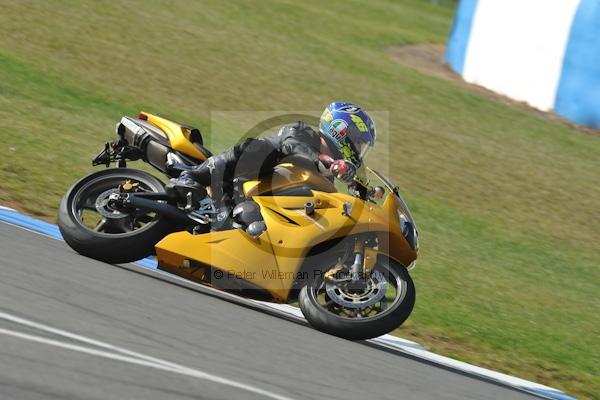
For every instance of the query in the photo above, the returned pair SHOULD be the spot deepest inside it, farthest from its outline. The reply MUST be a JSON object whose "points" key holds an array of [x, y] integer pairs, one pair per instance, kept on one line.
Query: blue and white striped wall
{"points": [[543, 52]]}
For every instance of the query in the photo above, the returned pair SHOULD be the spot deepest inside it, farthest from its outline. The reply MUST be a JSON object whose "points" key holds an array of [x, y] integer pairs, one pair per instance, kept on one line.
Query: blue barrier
{"points": [[578, 95], [459, 36], [24, 221]]}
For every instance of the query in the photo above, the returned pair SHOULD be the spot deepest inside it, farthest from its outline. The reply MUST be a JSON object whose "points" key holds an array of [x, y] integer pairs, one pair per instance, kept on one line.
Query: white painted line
{"points": [[286, 308], [87, 350], [396, 341], [157, 364], [73, 336], [7, 208]]}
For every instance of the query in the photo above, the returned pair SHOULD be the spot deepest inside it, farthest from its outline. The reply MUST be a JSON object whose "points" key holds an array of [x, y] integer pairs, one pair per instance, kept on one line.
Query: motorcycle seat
{"points": [[194, 136]]}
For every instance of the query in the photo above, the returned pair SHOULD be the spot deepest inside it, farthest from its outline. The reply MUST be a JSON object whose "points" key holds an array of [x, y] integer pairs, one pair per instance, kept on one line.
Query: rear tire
{"points": [[359, 328], [112, 247]]}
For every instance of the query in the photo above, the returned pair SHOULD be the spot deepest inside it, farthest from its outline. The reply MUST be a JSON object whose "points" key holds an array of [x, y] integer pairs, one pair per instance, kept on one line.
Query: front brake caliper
{"points": [[129, 186], [333, 275]]}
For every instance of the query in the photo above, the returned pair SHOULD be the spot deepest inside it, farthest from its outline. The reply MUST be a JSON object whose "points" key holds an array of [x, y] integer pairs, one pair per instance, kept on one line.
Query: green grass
{"points": [[507, 202]]}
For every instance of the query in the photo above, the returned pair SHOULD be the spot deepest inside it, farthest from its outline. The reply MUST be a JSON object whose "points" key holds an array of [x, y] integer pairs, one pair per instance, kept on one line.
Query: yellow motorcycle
{"points": [[291, 236]]}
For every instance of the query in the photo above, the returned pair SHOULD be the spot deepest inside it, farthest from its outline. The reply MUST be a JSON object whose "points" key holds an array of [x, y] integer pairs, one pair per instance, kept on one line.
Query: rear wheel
{"points": [[93, 228], [376, 305]]}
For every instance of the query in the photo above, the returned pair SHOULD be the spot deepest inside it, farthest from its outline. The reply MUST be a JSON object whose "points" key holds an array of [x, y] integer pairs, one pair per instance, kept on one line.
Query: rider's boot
{"points": [[185, 190]]}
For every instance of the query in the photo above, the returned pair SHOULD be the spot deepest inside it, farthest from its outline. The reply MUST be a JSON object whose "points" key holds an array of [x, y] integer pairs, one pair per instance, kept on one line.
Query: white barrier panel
{"points": [[510, 54], [543, 52]]}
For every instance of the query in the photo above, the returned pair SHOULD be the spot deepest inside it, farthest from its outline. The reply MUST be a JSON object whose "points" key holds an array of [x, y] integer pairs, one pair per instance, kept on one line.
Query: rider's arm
{"points": [[299, 141]]}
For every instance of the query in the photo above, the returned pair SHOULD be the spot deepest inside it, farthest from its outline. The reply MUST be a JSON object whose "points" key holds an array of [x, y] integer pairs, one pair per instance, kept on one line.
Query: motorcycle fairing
{"points": [[291, 233], [232, 251], [286, 176]]}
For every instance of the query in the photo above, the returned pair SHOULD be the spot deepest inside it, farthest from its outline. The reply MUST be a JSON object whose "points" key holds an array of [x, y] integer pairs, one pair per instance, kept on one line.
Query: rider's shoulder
{"points": [[298, 128]]}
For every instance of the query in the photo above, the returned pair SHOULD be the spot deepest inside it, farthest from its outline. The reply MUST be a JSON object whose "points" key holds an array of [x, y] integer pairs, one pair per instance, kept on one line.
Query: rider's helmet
{"points": [[348, 130]]}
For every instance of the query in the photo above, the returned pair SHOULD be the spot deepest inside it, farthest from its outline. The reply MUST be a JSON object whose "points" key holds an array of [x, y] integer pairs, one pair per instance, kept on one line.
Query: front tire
{"points": [[327, 316], [118, 236]]}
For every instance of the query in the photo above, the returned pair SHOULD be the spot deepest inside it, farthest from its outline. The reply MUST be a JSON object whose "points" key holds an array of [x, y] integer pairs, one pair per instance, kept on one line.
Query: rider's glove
{"points": [[343, 170]]}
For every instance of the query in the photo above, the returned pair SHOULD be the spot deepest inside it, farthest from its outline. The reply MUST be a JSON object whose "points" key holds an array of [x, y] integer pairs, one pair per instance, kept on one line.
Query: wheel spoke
{"points": [[321, 286], [100, 225], [89, 204], [145, 219], [383, 304], [126, 225], [141, 216]]}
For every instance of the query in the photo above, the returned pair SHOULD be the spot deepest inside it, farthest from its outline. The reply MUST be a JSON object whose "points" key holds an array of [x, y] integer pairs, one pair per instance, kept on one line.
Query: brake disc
{"points": [[373, 291], [103, 205]]}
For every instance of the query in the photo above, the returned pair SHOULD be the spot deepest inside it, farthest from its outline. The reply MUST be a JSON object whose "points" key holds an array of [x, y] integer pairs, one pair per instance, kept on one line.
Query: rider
{"points": [[346, 134]]}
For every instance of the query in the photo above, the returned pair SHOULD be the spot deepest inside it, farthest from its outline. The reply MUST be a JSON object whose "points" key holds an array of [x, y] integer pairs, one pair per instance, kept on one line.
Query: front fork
{"points": [[365, 256]]}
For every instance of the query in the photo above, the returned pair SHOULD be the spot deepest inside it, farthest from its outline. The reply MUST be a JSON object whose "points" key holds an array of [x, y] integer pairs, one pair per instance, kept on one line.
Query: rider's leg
{"points": [[211, 173], [245, 159]]}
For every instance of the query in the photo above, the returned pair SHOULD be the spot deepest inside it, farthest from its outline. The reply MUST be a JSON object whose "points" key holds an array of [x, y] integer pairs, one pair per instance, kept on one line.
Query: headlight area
{"points": [[409, 231]]}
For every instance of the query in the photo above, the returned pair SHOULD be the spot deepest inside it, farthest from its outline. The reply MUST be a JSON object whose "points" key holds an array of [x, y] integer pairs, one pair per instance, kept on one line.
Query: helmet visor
{"points": [[361, 143], [363, 150]]}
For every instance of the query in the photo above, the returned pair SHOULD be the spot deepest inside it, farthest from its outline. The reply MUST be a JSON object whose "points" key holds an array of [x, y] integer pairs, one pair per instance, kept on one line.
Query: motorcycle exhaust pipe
{"points": [[167, 210]]}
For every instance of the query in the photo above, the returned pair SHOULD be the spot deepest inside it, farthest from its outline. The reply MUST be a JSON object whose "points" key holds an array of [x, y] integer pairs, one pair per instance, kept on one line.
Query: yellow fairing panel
{"points": [[287, 175], [176, 134], [232, 251]]}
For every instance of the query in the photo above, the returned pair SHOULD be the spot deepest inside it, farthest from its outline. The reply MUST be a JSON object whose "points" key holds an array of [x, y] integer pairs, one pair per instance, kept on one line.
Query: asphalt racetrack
{"points": [[76, 328]]}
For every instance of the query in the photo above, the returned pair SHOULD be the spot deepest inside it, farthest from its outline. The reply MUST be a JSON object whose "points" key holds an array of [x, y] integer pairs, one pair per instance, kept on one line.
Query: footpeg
{"points": [[189, 202]]}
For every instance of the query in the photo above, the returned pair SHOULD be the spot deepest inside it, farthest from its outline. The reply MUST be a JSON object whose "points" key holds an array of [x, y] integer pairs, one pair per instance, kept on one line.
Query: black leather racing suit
{"points": [[252, 158]]}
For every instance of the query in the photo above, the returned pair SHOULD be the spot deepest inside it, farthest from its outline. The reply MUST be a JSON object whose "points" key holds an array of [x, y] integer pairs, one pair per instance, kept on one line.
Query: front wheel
{"points": [[94, 229], [377, 305]]}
